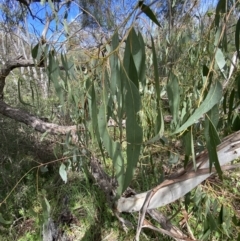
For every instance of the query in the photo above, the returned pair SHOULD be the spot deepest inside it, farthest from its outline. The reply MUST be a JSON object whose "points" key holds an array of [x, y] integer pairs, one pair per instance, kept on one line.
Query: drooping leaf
{"points": [[35, 51], [159, 120], [134, 132], [217, 36], [237, 32], [135, 52], [148, 12], [230, 106], [133, 76], [53, 72], [220, 59], [93, 113], [236, 122], [213, 115], [219, 9], [212, 140], [141, 65], [213, 97], [113, 148], [238, 85], [225, 102], [187, 146]]}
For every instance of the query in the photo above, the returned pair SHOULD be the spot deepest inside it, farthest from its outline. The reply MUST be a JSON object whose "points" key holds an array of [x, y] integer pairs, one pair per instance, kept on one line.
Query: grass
{"points": [[88, 215]]}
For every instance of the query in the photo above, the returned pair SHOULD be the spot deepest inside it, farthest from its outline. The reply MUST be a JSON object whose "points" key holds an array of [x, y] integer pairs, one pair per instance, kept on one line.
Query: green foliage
{"points": [[138, 81]]}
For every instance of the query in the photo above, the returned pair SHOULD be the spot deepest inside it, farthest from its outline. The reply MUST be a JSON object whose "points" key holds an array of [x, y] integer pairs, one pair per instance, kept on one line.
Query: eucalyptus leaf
{"points": [[63, 172], [173, 92], [213, 97], [148, 12], [35, 51], [237, 32], [220, 59], [159, 126]]}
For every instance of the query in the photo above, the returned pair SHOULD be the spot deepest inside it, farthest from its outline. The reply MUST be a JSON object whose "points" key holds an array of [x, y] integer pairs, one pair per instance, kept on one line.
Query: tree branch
{"points": [[35, 122]]}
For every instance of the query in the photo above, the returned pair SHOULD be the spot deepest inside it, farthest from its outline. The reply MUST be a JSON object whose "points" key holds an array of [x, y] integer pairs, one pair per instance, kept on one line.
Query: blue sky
{"points": [[35, 26]]}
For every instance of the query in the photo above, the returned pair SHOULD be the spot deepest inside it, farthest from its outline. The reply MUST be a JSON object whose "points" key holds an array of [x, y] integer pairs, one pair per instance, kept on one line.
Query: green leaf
{"points": [[133, 75], [213, 115], [115, 83], [93, 113], [148, 12], [187, 200], [173, 93], [236, 122], [213, 97], [230, 106], [159, 120], [217, 36], [237, 80], [53, 73], [113, 148], [63, 172], [212, 140], [187, 146], [225, 102], [134, 57], [220, 59], [205, 70], [134, 133], [141, 66], [212, 222], [35, 51], [219, 9], [43, 169], [237, 32], [48, 207]]}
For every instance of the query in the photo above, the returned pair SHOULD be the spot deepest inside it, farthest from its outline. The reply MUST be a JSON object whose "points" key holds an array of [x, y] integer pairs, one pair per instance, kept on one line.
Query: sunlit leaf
{"points": [[63, 172], [213, 97], [220, 59]]}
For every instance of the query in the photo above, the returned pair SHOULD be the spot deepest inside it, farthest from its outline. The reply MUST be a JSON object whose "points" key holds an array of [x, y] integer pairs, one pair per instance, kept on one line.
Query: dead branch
{"points": [[35, 122]]}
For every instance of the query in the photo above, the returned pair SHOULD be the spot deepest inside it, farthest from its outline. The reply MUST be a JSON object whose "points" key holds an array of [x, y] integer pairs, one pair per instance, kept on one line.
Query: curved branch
{"points": [[35, 122], [8, 67], [11, 65]]}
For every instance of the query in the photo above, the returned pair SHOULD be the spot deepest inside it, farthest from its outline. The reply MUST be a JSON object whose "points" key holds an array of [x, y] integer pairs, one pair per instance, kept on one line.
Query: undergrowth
{"points": [[80, 207]]}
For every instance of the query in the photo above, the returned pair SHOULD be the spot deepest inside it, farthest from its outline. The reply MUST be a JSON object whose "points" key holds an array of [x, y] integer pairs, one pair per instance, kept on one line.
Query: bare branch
{"points": [[35, 122]]}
